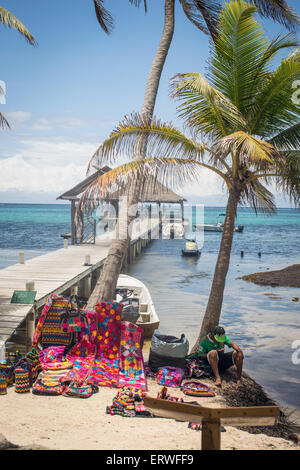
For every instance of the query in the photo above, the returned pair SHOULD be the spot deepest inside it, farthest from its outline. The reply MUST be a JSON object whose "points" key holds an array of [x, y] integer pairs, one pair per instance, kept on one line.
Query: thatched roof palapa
{"points": [[152, 191]]}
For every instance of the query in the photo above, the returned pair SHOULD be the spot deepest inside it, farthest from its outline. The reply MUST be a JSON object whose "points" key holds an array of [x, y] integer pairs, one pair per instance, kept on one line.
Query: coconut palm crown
{"points": [[244, 126]]}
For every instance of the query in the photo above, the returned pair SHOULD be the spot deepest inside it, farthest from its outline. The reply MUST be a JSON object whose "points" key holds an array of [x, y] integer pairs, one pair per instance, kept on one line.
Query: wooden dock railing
{"points": [[212, 418]]}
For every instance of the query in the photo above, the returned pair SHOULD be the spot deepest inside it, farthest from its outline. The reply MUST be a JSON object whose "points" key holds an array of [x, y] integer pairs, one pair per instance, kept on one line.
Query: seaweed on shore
{"points": [[287, 277], [251, 393]]}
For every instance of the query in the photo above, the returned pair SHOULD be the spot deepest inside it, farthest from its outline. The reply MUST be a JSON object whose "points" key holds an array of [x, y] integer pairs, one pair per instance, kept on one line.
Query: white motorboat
{"points": [[209, 228], [138, 306], [218, 227]]}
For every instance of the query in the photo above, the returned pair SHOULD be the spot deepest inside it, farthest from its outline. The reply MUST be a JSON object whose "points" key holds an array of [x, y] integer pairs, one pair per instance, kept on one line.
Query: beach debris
{"points": [[273, 296], [295, 299]]}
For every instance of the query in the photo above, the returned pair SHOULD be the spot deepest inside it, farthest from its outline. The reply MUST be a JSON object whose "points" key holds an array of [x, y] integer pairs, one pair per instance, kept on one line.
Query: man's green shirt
{"points": [[209, 344]]}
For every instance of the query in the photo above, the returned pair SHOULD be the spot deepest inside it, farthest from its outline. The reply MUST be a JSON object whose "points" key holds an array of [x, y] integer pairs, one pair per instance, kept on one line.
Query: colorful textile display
{"points": [[131, 364], [58, 365], [193, 369], [7, 370], [109, 329], [129, 403], [164, 395], [170, 376], [48, 331], [51, 382], [13, 357], [52, 354], [22, 380], [3, 385], [73, 319], [85, 391], [32, 364], [197, 389], [96, 355], [107, 352]]}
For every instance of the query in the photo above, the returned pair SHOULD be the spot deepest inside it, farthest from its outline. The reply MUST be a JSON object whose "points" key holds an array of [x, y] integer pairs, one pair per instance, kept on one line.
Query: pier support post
{"points": [[30, 328], [74, 290], [21, 257], [87, 286], [29, 285]]}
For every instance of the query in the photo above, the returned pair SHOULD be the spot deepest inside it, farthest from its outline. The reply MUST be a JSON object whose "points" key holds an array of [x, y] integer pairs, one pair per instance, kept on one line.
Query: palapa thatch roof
{"points": [[152, 191]]}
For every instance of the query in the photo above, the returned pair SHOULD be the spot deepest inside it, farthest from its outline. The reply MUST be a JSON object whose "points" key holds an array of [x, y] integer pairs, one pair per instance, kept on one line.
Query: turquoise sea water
{"points": [[265, 328]]}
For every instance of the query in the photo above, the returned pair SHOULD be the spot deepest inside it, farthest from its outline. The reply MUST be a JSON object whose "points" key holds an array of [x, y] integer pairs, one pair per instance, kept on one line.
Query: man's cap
{"points": [[219, 334]]}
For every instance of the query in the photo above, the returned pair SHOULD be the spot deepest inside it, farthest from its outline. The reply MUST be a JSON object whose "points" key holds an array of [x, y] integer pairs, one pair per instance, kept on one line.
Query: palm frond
{"points": [[150, 174], [279, 11], [237, 54], [104, 17], [248, 148], [10, 21], [203, 14], [4, 122], [288, 180], [288, 139], [259, 198], [137, 3], [204, 108], [274, 107], [163, 140]]}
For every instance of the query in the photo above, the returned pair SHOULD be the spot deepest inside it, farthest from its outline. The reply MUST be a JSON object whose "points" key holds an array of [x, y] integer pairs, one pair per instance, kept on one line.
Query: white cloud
{"points": [[45, 123], [18, 117], [44, 153], [21, 175], [46, 166]]}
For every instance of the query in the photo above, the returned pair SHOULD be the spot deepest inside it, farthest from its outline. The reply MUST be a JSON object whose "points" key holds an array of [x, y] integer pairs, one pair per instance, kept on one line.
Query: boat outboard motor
{"points": [[131, 305]]}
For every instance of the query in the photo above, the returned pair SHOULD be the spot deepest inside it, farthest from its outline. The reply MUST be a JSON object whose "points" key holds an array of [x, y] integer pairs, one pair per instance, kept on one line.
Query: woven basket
{"points": [[3, 385], [22, 380]]}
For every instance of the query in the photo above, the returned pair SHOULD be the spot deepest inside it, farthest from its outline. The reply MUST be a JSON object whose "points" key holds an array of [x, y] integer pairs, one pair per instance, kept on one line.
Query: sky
{"points": [[64, 97]]}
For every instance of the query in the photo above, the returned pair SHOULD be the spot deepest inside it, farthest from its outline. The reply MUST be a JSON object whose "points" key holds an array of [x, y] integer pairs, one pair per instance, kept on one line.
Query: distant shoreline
{"points": [[287, 277]]}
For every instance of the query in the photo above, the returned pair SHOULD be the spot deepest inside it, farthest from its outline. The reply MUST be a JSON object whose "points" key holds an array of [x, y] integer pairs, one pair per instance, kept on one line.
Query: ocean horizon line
{"points": [[188, 203]]}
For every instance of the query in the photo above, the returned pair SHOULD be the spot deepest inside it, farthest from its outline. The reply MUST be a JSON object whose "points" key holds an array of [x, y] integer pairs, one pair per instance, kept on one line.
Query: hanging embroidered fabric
{"points": [[131, 364], [109, 351], [97, 353]]}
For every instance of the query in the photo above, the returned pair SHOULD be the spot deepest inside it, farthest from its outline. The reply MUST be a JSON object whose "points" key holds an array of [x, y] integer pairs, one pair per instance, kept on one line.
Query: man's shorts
{"points": [[225, 360]]}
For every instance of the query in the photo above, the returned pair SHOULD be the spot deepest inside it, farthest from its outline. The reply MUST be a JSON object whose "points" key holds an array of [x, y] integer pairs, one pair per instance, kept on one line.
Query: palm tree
{"points": [[9, 20], [204, 15], [250, 126]]}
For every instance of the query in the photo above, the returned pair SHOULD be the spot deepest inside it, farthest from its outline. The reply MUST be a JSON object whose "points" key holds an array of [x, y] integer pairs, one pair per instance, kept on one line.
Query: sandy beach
{"points": [[61, 423]]}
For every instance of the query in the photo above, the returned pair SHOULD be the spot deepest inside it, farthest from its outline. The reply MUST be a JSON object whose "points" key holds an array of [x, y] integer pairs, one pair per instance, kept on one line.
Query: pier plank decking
{"points": [[54, 272]]}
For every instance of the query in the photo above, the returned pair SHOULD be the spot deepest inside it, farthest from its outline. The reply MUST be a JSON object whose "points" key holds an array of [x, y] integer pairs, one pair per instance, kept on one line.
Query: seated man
{"points": [[211, 352]]}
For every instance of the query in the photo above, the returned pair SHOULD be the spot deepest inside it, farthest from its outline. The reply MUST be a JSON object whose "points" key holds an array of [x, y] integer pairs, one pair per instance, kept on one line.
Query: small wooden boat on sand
{"points": [[138, 306]]}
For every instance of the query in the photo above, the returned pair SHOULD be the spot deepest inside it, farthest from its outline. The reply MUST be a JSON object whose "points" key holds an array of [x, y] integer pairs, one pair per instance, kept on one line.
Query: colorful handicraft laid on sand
{"points": [[104, 351], [129, 403]]}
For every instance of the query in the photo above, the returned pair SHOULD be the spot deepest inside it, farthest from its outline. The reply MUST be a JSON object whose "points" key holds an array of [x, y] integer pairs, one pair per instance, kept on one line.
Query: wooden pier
{"points": [[56, 272]]}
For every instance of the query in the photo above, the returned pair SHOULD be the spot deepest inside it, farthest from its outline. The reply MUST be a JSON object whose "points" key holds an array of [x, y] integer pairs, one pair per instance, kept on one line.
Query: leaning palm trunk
{"points": [[214, 305], [106, 285]]}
